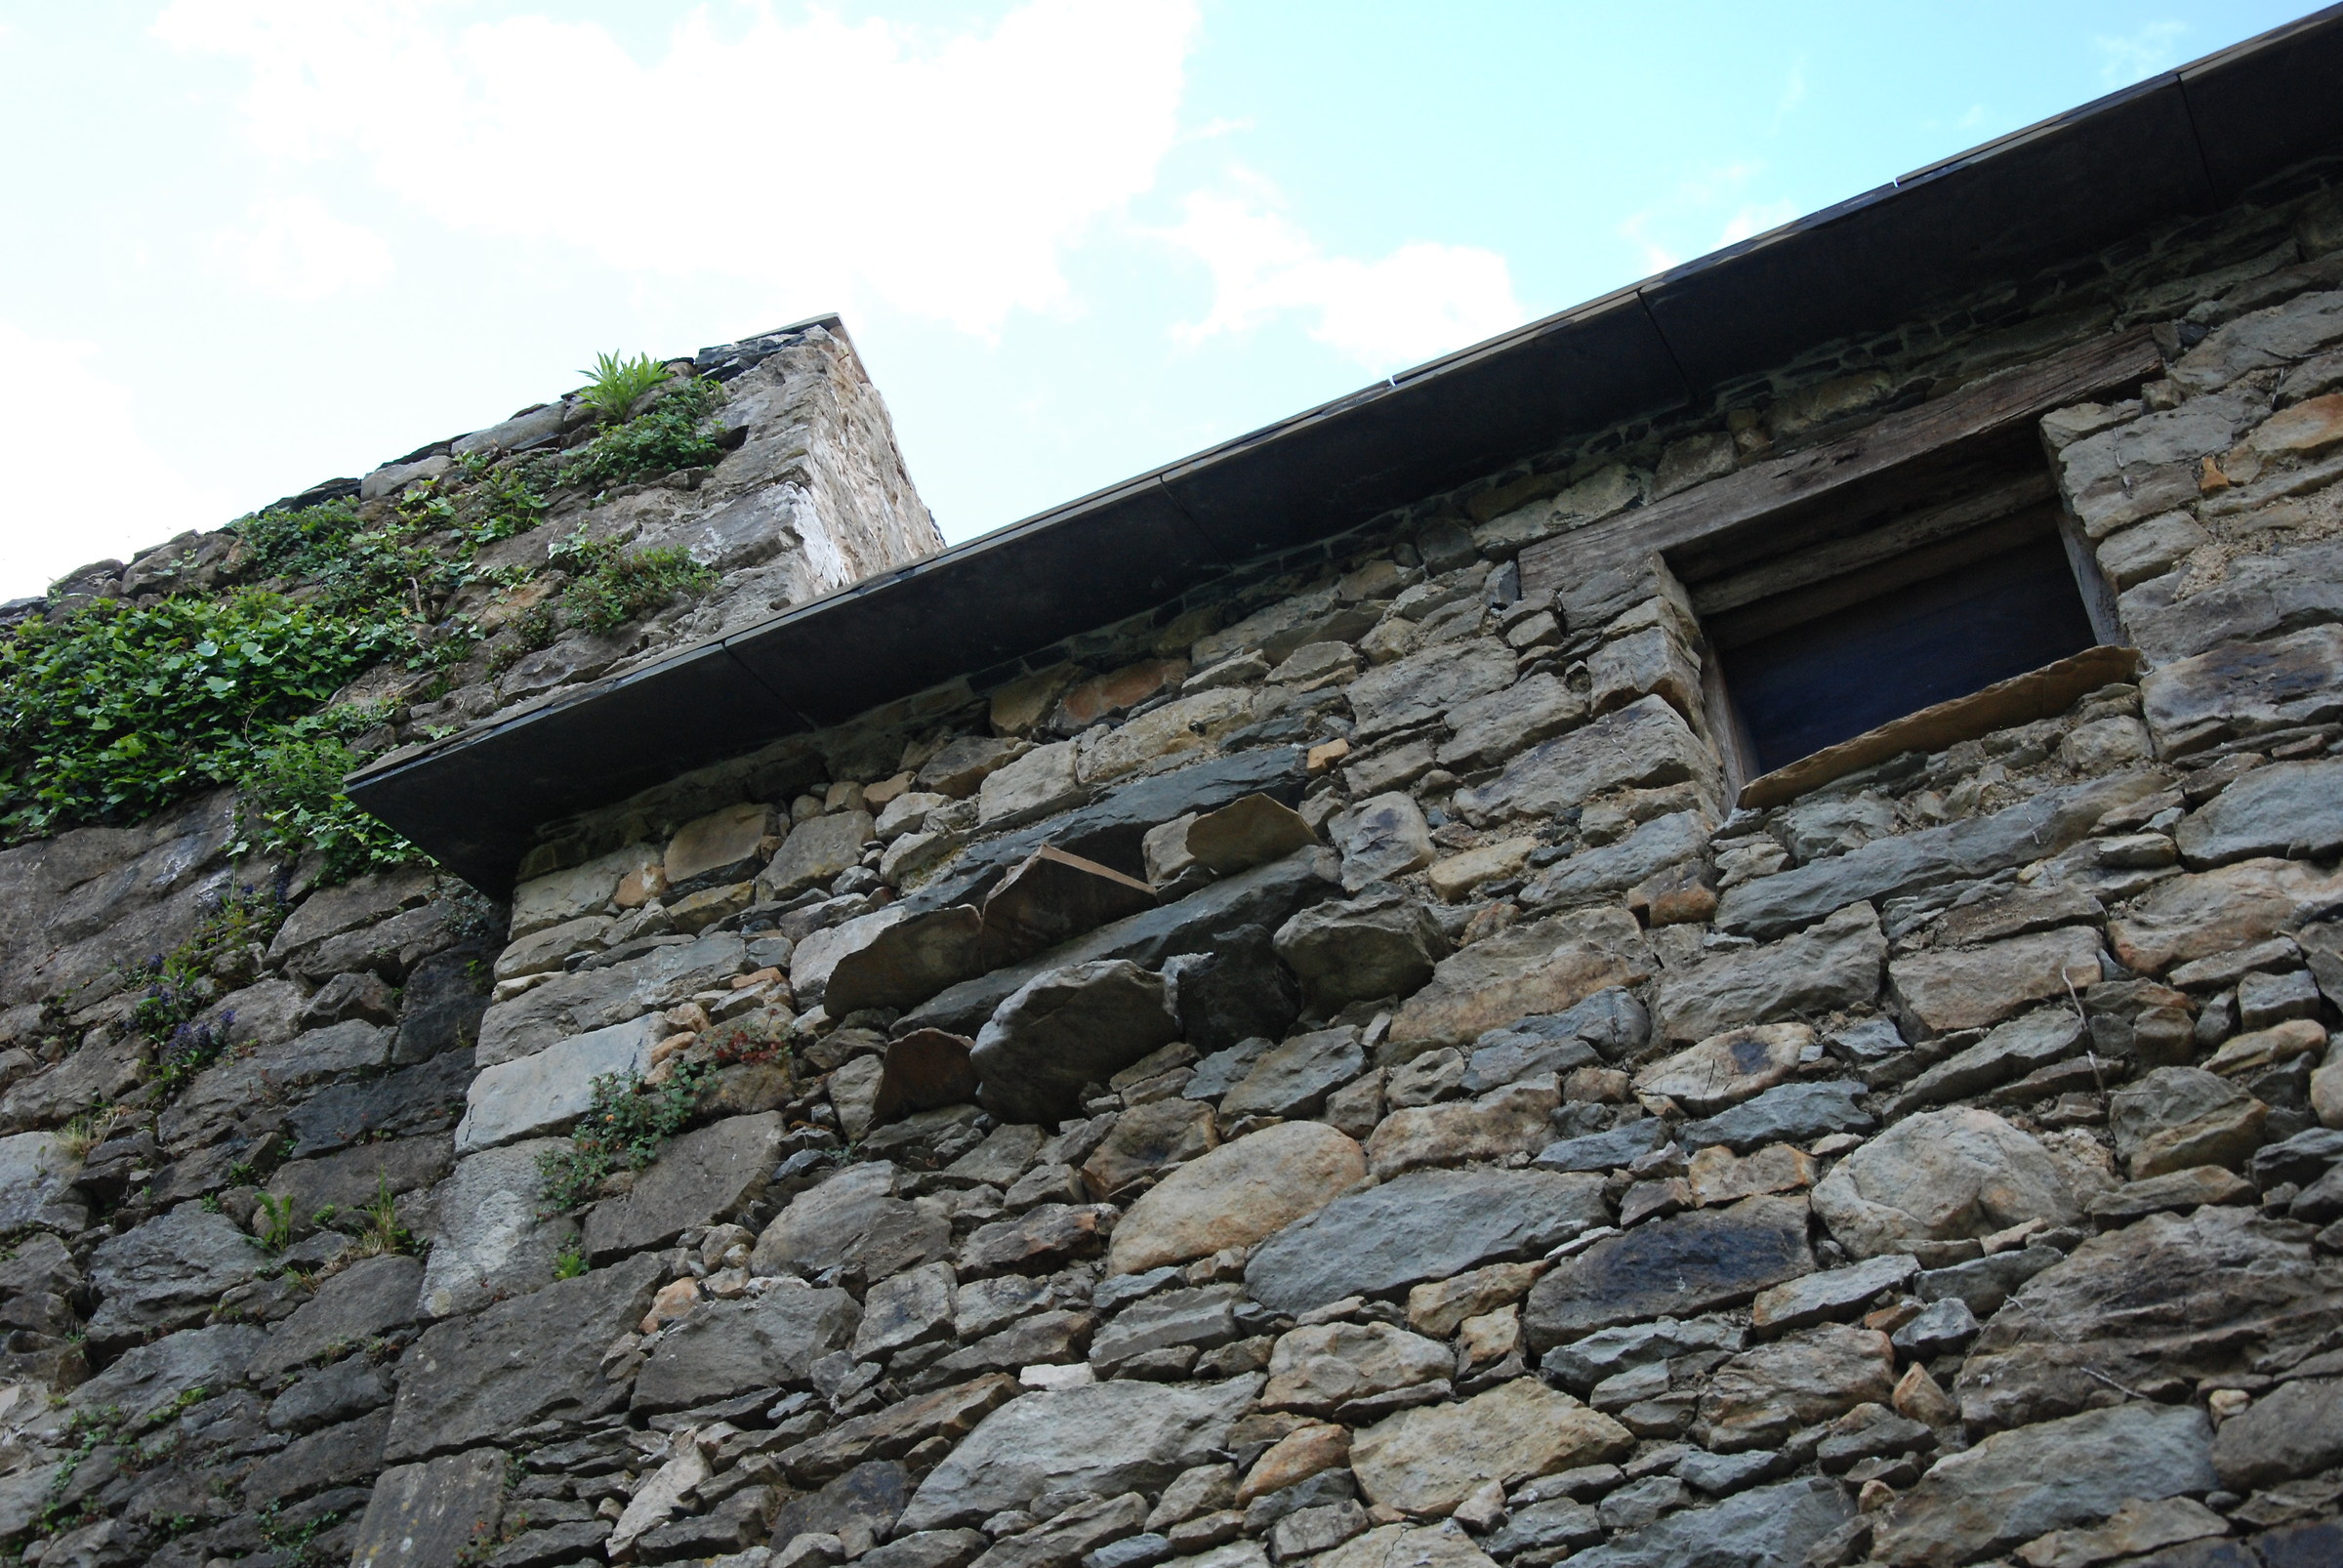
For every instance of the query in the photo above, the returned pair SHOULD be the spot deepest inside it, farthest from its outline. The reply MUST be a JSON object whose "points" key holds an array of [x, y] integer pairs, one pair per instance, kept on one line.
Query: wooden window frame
{"points": [[1866, 507]]}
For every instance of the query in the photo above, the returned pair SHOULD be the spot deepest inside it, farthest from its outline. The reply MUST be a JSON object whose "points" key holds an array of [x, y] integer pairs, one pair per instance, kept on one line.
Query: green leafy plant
{"points": [[382, 1232], [569, 1263], [622, 1130], [293, 800], [615, 385], [114, 712], [276, 1222], [613, 584], [677, 432]]}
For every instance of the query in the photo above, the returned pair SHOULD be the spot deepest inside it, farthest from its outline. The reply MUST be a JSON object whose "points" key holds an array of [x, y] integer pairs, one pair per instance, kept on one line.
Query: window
{"points": [[1823, 663], [1901, 588]]}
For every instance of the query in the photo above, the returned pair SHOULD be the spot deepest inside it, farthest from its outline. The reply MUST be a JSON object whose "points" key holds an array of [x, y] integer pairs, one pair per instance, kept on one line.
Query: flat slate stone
{"points": [[426, 1098], [432, 1512], [728, 1347], [487, 1239], [1768, 1525], [145, 1378], [1977, 847], [2162, 1300], [1689, 1263], [1426, 1224], [545, 1092], [2016, 1485], [1266, 896], [1108, 1438], [701, 1179], [1788, 1113], [534, 1358], [168, 1273], [372, 1296], [2285, 808]]}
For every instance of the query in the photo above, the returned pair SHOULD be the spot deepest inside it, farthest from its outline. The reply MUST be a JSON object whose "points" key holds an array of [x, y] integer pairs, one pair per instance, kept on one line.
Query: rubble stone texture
{"points": [[1323, 1069]]}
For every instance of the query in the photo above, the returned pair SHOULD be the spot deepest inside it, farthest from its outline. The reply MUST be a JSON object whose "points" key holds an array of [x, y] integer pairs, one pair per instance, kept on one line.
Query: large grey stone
{"points": [[701, 1179], [534, 1358], [1236, 1195], [166, 1273], [2286, 808], [2178, 1118], [2246, 688], [891, 958], [911, 1309], [1644, 743], [147, 1378], [1320, 1368], [1426, 1224], [372, 1298], [346, 1455], [2159, 1302], [487, 1237], [1940, 1176], [1384, 944], [430, 1514], [1689, 1263], [1063, 1029], [1600, 874], [2020, 1484], [1623, 1146], [1267, 895], [1428, 1460], [852, 1217], [1535, 967], [2021, 1046], [2295, 1430], [1786, 1113], [546, 1093], [581, 890], [1976, 847], [1295, 1078], [817, 850], [1429, 684], [757, 1342], [1766, 1527], [1491, 729], [35, 1184], [595, 998], [1762, 1395], [1382, 838], [1835, 964], [1108, 1438]]}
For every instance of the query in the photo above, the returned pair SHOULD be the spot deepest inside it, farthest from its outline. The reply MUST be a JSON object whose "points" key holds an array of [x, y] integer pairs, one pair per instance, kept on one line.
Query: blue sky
{"points": [[256, 243]]}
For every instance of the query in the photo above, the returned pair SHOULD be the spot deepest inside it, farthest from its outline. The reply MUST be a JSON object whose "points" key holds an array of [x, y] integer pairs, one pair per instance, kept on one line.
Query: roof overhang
{"points": [[2186, 142]]}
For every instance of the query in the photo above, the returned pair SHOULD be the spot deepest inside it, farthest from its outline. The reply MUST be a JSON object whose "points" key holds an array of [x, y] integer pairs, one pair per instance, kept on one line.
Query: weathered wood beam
{"points": [[1840, 468]]}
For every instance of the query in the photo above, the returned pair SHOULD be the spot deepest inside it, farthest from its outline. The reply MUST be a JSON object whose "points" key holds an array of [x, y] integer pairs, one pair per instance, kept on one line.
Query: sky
{"points": [[253, 244]]}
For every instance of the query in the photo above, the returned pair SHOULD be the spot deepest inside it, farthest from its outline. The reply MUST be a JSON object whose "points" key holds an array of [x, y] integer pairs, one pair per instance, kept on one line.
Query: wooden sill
{"points": [[2019, 700]]}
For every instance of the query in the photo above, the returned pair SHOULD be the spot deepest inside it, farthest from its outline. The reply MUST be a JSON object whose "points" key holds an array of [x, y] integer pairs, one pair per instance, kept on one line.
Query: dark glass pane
{"points": [[1854, 669]]}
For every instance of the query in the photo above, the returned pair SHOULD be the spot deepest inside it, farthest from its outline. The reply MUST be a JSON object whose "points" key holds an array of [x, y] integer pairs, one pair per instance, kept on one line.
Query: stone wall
{"points": [[1318, 1071]]}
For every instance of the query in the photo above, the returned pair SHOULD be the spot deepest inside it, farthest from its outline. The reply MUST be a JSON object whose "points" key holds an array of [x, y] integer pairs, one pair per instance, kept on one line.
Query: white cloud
{"points": [[295, 249], [1421, 301], [2154, 48], [831, 161], [82, 486]]}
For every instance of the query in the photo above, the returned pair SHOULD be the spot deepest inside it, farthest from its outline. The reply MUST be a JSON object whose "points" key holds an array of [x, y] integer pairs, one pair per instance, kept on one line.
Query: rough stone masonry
{"points": [[1322, 1071]]}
